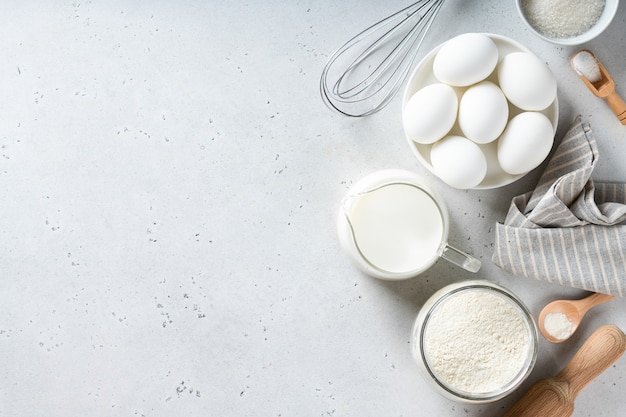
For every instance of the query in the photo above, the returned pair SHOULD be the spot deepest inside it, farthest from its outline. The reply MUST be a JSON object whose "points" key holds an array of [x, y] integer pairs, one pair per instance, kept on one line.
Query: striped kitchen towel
{"points": [[567, 230]]}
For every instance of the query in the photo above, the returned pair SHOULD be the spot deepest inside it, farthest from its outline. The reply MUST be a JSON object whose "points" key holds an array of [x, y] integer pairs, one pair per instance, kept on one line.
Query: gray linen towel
{"points": [[567, 230]]}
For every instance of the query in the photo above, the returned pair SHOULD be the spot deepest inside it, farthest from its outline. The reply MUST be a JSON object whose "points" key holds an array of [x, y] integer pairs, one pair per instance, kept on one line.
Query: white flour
{"points": [[558, 325], [476, 341]]}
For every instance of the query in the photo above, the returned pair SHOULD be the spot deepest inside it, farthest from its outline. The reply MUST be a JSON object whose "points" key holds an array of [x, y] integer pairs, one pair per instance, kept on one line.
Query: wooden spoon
{"points": [[574, 310], [555, 396], [603, 88]]}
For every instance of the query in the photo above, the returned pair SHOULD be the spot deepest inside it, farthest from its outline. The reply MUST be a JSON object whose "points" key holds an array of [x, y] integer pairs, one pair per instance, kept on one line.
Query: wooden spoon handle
{"points": [[603, 347], [618, 106], [593, 300], [555, 396]]}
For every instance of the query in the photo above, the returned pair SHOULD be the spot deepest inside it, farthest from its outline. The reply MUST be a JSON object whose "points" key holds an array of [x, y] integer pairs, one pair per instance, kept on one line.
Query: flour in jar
{"points": [[476, 341]]}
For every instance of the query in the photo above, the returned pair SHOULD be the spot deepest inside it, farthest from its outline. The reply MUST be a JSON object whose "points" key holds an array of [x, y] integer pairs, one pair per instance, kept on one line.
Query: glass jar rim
{"points": [[529, 361]]}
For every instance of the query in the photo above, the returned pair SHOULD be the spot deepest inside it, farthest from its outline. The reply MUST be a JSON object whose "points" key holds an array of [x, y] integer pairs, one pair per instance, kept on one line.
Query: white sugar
{"points": [[586, 65], [562, 18]]}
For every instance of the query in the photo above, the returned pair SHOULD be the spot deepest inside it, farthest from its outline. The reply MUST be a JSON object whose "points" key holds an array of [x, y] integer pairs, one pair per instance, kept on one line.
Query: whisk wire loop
{"points": [[367, 74], [379, 71]]}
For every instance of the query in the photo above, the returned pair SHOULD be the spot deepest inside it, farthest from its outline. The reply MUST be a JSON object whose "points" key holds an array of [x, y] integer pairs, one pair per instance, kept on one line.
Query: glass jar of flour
{"points": [[475, 341]]}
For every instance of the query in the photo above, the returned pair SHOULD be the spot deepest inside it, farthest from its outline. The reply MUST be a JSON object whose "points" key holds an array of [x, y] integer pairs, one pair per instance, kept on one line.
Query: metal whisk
{"points": [[363, 75]]}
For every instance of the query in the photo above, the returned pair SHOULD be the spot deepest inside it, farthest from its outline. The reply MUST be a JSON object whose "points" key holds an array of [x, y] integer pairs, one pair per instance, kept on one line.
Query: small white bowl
{"points": [[605, 19]]}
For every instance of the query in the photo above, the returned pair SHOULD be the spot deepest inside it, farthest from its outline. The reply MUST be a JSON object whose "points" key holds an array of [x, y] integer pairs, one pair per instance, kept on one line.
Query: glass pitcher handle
{"points": [[461, 259]]}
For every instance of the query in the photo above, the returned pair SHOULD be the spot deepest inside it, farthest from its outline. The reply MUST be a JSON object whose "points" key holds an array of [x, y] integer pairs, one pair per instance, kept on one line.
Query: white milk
{"points": [[398, 228]]}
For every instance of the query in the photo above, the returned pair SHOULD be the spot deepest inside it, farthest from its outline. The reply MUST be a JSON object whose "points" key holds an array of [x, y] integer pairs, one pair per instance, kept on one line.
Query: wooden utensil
{"points": [[574, 310], [604, 88], [555, 396]]}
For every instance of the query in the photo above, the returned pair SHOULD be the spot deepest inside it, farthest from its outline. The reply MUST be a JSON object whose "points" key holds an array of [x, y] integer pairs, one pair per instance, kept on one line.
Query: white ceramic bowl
{"points": [[605, 19], [423, 75]]}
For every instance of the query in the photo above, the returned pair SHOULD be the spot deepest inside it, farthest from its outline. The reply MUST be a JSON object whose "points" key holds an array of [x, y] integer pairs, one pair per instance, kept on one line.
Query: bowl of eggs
{"points": [[480, 111]]}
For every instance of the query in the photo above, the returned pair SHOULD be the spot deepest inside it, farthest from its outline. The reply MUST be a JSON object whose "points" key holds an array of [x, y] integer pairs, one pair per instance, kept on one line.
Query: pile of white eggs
{"points": [[464, 110]]}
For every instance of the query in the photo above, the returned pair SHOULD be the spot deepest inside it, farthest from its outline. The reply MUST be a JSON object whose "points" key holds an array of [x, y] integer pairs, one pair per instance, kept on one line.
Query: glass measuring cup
{"points": [[394, 226]]}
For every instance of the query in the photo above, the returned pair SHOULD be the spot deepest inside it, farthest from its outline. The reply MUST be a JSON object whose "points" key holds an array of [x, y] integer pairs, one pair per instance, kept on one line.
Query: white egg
{"points": [[526, 81], [459, 162], [430, 113], [483, 112], [465, 59], [525, 143]]}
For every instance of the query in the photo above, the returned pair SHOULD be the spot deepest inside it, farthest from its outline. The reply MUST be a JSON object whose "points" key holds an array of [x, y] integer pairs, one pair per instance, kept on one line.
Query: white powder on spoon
{"points": [[558, 325], [586, 65], [476, 341], [562, 18]]}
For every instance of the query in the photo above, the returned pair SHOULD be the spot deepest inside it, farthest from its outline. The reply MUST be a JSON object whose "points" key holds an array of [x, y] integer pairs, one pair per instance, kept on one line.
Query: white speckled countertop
{"points": [[169, 183]]}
